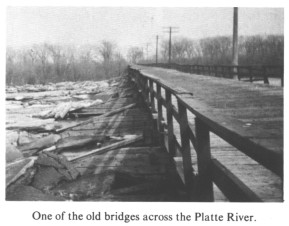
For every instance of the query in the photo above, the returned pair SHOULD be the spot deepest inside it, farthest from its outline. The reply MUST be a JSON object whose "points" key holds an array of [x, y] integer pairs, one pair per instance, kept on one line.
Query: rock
{"points": [[12, 138], [24, 138], [17, 169], [53, 169], [45, 160], [12, 153], [69, 167], [28, 193], [27, 177], [47, 178]]}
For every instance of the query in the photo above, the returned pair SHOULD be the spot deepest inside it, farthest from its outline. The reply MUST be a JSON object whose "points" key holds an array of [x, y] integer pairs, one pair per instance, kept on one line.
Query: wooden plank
{"points": [[186, 149], [236, 134], [234, 189], [133, 161], [160, 115], [171, 144], [111, 132], [147, 188], [152, 98], [111, 113], [122, 152], [108, 148], [205, 185], [192, 136], [234, 98], [114, 124], [125, 118], [176, 114], [261, 181]]}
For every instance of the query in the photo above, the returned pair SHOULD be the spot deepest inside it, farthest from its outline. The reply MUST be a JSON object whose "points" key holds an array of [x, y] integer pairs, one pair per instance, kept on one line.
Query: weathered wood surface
{"points": [[144, 171], [126, 168], [253, 112], [225, 97], [249, 73]]}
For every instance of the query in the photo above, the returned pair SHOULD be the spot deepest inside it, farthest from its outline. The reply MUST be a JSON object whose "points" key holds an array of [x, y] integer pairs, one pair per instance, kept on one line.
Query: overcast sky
{"points": [[132, 26]]}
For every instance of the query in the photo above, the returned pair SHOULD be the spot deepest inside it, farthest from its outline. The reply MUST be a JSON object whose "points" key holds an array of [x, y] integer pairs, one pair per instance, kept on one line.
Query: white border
{"points": [[15, 213]]}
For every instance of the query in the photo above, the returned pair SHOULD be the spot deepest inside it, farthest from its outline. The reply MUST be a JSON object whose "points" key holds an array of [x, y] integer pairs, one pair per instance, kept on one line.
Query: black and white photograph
{"points": [[144, 104]]}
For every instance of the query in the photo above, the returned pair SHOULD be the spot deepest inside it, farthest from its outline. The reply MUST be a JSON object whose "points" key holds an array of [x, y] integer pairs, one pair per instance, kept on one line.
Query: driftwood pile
{"points": [[34, 148], [75, 87], [62, 109]]}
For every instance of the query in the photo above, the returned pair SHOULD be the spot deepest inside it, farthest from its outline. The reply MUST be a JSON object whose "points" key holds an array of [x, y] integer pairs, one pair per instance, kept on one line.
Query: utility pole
{"points": [[147, 50], [170, 45], [235, 37], [170, 31], [157, 41]]}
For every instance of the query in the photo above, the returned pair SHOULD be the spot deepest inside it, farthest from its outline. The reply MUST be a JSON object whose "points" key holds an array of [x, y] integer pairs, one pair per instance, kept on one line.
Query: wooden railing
{"points": [[245, 73], [200, 186]]}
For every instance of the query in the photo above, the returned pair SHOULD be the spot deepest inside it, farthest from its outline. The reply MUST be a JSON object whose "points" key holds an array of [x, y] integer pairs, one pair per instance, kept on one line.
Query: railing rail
{"points": [[248, 73], [200, 186]]}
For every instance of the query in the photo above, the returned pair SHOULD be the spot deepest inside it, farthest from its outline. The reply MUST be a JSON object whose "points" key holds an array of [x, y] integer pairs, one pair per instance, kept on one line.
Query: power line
{"points": [[170, 31], [157, 42], [235, 37]]}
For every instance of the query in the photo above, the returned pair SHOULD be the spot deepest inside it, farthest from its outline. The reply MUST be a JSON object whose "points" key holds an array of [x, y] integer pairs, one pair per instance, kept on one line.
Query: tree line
{"points": [[253, 50], [44, 63]]}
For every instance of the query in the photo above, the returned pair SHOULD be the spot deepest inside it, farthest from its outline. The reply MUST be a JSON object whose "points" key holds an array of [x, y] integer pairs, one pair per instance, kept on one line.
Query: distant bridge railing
{"points": [[200, 187], [249, 73]]}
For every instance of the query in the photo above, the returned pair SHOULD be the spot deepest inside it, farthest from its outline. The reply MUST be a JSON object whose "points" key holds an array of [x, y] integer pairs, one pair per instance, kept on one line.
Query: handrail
{"points": [[200, 187], [249, 73]]}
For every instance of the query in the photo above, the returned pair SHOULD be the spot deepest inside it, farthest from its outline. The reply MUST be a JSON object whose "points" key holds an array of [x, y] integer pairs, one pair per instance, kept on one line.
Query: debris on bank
{"points": [[51, 129]]}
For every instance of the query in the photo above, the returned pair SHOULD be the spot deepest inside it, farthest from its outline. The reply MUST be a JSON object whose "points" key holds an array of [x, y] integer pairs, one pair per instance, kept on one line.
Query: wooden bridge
{"points": [[225, 136], [165, 135], [250, 73]]}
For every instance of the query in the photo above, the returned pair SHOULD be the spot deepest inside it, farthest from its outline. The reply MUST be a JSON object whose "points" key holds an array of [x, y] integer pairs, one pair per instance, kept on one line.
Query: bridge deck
{"points": [[253, 111], [141, 171], [144, 170]]}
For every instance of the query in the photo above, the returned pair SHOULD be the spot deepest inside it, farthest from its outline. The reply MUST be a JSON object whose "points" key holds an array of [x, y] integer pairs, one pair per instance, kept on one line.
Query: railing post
{"points": [[250, 74], [186, 149], [140, 84], [266, 81], [145, 88], [205, 185], [203, 69], [160, 115], [282, 77], [238, 72], [188, 68], [152, 102], [223, 72], [171, 140], [216, 71]]}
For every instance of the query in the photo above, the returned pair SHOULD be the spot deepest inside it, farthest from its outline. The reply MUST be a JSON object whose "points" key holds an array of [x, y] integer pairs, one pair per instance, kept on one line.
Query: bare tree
{"points": [[106, 51], [120, 62], [135, 54], [10, 64], [42, 53]]}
